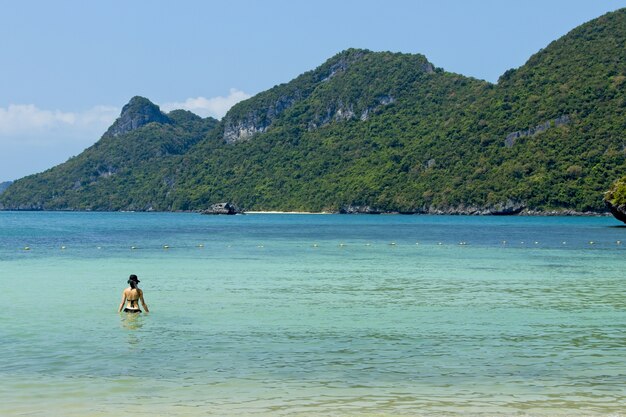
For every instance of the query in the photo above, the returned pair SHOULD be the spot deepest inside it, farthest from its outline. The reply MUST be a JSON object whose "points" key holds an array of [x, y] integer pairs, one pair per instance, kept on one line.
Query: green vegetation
{"points": [[384, 130], [4, 186], [615, 199], [616, 195], [112, 174]]}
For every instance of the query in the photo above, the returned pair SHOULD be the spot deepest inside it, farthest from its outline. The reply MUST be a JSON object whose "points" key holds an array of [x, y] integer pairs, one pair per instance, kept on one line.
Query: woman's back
{"points": [[131, 297]]}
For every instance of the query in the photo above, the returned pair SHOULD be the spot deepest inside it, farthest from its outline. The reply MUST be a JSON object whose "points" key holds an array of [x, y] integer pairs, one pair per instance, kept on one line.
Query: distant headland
{"points": [[373, 132]]}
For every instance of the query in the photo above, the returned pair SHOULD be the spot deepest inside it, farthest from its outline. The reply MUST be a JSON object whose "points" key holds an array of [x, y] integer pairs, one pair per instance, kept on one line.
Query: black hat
{"points": [[133, 278]]}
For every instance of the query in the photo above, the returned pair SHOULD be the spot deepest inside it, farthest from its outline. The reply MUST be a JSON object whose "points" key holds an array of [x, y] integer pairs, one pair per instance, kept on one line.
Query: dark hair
{"points": [[133, 280]]}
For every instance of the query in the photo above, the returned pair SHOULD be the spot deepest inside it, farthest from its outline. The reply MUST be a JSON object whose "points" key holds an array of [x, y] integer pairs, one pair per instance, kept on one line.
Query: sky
{"points": [[67, 67]]}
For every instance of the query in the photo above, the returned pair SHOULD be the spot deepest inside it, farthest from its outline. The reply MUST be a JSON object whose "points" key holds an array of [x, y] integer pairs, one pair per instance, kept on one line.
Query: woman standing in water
{"points": [[132, 295]]}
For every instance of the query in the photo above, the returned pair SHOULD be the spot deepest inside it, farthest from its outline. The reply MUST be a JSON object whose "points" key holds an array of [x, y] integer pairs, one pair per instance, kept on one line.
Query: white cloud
{"points": [[204, 107], [34, 139], [28, 122]]}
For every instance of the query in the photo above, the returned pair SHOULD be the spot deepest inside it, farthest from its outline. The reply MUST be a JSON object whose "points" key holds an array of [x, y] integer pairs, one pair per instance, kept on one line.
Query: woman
{"points": [[132, 295]]}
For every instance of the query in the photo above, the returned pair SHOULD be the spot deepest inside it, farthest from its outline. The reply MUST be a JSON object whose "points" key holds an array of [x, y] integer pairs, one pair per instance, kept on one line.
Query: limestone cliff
{"points": [[138, 112], [346, 87], [257, 114]]}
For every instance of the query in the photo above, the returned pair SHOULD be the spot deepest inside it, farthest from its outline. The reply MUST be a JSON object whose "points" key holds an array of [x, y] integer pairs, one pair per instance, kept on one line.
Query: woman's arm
{"points": [[145, 307], [119, 310]]}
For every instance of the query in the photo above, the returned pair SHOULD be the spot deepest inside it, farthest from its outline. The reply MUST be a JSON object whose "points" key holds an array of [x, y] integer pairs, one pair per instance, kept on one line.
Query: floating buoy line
{"points": [[503, 243]]}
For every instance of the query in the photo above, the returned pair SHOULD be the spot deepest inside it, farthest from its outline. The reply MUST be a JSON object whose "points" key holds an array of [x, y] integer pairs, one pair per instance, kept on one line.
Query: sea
{"points": [[312, 315]]}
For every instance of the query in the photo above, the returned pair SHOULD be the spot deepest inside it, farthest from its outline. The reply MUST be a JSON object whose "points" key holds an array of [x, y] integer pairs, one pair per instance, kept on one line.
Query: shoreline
{"points": [[525, 213], [533, 214], [285, 212]]}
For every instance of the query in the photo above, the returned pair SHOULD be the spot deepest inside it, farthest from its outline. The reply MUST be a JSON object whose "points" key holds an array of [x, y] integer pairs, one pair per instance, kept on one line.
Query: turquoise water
{"points": [[312, 315]]}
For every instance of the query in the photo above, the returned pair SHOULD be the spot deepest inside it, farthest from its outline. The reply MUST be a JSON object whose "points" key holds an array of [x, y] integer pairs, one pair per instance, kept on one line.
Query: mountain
{"points": [[118, 172], [374, 132], [4, 185]]}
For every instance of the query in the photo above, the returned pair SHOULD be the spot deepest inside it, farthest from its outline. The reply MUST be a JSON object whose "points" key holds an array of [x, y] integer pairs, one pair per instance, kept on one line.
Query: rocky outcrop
{"points": [[254, 116], [351, 209], [343, 62], [615, 199], [497, 211], [508, 208], [510, 139], [241, 128], [340, 111], [222, 208], [619, 211], [138, 112]]}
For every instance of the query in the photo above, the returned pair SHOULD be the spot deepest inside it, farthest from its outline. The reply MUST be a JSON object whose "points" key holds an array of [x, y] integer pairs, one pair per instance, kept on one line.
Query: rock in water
{"points": [[615, 199], [619, 211], [222, 208]]}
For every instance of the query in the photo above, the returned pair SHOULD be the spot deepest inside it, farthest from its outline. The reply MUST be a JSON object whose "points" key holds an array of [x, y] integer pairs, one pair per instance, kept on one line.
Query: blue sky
{"points": [[67, 67]]}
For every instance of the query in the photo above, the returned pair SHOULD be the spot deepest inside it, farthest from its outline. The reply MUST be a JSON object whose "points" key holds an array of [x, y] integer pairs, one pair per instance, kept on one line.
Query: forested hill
{"points": [[374, 131], [127, 169], [4, 186]]}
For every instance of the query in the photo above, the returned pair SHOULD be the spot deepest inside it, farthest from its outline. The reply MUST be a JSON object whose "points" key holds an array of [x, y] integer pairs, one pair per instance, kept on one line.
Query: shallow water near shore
{"points": [[293, 315]]}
